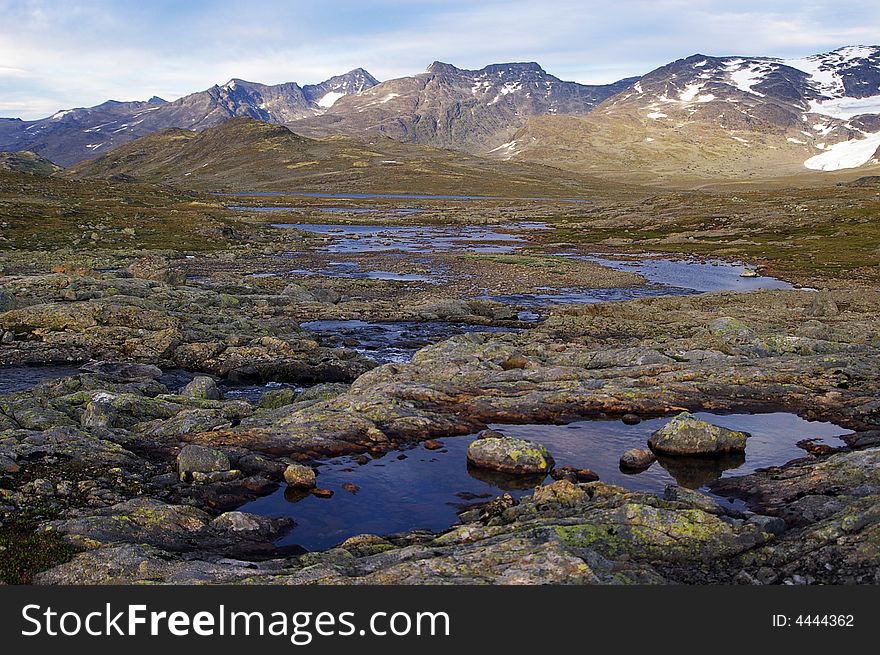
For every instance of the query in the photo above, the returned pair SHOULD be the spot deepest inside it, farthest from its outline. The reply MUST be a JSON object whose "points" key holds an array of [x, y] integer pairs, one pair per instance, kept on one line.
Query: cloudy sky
{"points": [[67, 53]]}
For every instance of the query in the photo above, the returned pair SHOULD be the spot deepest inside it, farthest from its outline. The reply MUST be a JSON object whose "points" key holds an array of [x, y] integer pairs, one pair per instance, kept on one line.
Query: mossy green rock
{"points": [[277, 398], [194, 458], [509, 455], [687, 435]]}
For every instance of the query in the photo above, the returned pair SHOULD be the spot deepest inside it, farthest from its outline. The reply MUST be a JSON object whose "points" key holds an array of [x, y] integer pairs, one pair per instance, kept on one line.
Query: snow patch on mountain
{"points": [[329, 99], [745, 75], [846, 108], [846, 154]]}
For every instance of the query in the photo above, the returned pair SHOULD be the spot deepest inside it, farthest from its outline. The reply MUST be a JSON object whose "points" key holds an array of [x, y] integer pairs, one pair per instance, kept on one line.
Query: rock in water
{"points": [[687, 435], [636, 460], [300, 476], [200, 459], [630, 419], [508, 455], [203, 388]]}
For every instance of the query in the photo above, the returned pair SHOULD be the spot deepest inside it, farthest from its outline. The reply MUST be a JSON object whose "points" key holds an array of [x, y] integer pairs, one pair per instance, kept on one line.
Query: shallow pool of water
{"points": [[418, 238], [419, 488], [691, 274], [404, 211], [590, 296], [390, 341], [16, 378]]}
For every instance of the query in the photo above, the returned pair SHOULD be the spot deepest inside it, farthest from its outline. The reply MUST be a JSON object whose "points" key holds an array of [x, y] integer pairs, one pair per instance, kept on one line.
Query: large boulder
{"points": [[202, 388], [687, 435], [200, 459], [508, 455]]}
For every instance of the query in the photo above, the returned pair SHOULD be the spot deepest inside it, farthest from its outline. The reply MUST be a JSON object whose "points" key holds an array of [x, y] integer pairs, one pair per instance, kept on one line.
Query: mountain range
{"points": [[725, 117], [71, 135], [697, 117]]}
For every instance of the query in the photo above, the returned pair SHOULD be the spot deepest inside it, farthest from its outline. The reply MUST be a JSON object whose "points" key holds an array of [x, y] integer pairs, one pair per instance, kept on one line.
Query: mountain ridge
{"points": [[71, 135]]}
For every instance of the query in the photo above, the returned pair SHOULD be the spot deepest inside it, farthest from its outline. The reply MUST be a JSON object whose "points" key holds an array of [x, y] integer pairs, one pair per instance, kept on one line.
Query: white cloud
{"points": [[59, 55]]}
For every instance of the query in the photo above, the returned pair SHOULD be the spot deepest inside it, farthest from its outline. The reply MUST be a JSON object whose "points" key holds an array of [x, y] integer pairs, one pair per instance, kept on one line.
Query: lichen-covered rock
{"points": [[202, 387], [99, 413], [194, 458], [275, 398], [300, 476], [508, 455], [324, 391], [156, 268], [687, 435], [562, 492]]}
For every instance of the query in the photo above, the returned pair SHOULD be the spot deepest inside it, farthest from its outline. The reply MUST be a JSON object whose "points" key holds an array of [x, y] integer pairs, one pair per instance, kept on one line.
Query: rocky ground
{"points": [[110, 476], [122, 474]]}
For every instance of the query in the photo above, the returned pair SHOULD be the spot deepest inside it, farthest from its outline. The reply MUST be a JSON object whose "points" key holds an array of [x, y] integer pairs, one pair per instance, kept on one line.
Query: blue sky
{"points": [[67, 53]]}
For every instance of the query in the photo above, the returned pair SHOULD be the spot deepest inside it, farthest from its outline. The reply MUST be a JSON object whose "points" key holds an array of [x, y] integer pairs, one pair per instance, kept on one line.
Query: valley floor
{"points": [[341, 331]]}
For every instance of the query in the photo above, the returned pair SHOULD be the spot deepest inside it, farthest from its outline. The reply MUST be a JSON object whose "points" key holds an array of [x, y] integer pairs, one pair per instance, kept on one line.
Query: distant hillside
{"points": [[244, 154], [476, 111], [27, 162]]}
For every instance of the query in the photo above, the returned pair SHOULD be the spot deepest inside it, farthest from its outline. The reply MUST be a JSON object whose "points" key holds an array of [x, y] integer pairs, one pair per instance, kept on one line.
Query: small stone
{"points": [[637, 459], [431, 444], [300, 476], [215, 476], [515, 361], [8, 465], [630, 419], [490, 434], [351, 488], [43, 487], [573, 474], [322, 493]]}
